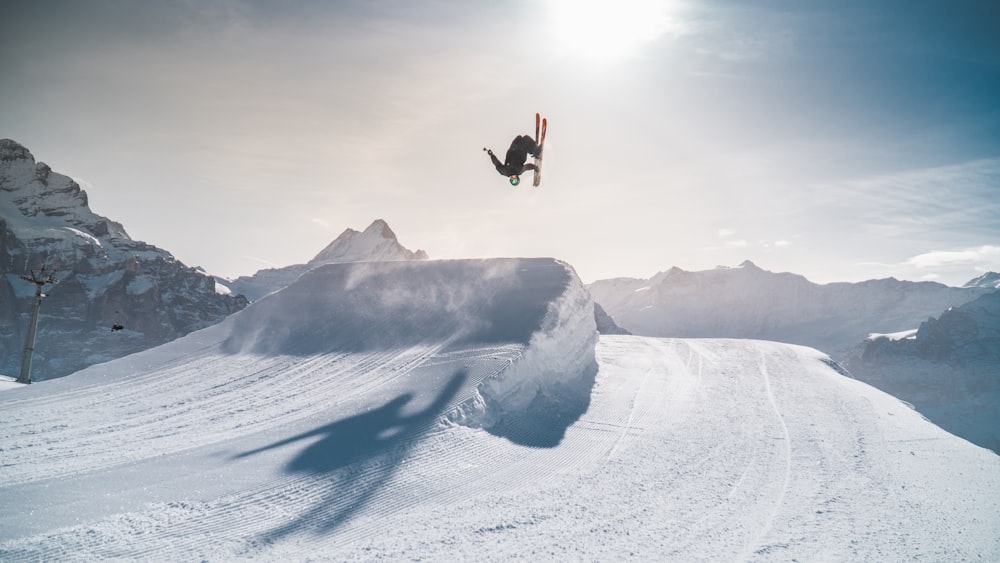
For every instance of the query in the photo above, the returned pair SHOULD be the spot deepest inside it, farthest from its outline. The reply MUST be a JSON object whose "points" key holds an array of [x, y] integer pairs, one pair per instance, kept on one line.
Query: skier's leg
{"points": [[526, 144]]}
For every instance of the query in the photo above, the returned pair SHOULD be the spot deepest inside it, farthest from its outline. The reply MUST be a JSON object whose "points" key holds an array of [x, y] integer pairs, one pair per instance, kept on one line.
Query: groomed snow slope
{"points": [[284, 433]]}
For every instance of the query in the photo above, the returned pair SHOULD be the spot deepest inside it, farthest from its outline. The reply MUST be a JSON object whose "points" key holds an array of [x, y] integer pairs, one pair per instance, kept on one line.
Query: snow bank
{"points": [[539, 305], [549, 386], [7, 383]]}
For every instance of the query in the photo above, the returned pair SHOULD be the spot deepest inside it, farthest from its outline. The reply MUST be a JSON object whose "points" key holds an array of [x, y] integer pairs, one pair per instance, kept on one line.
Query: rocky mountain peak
{"points": [[377, 243], [380, 229], [11, 150], [104, 276], [33, 191]]}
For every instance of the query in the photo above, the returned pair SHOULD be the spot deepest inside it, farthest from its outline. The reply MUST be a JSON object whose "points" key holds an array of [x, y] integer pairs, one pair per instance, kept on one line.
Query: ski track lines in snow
{"points": [[786, 439], [142, 430], [690, 450], [182, 406]]}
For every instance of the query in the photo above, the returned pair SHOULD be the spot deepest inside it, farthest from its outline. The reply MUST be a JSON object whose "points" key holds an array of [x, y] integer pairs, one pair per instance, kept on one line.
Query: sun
{"points": [[607, 30]]}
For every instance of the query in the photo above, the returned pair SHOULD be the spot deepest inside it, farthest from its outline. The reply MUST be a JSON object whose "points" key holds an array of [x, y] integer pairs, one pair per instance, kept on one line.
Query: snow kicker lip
{"points": [[547, 387], [366, 306]]}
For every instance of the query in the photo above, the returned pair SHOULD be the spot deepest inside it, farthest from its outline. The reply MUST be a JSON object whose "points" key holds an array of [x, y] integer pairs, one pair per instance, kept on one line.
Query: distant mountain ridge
{"points": [[104, 277], [749, 302], [989, 279], [377, 243]]}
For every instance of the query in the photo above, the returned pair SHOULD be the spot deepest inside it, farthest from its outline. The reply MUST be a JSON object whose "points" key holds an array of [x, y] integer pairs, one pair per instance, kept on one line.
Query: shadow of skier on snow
{"points": [[359, 455]]}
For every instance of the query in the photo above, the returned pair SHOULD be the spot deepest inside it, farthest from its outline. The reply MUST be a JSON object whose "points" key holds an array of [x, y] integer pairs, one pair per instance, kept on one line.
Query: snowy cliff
{"points": [[949, 369], [749, 302], [377, 243], [104, 277]]}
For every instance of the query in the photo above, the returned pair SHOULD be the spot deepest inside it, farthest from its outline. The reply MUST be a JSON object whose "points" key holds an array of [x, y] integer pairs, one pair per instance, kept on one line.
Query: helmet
{"points": [[515, 180]]}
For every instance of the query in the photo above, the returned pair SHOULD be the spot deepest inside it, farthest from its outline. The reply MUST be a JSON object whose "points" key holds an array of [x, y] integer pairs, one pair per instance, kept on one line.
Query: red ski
{"points": [[540, 140]]}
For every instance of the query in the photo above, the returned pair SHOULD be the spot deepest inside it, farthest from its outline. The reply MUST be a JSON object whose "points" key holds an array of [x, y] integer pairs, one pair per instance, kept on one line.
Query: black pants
{"points": [[523, 144]]}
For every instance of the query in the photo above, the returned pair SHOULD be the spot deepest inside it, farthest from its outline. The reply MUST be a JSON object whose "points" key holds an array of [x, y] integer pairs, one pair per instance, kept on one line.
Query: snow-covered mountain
{"points": [[104, 277], [377, 243], [450, 410], [749, 302], [989, 280], [949, 369], [374, 244]]}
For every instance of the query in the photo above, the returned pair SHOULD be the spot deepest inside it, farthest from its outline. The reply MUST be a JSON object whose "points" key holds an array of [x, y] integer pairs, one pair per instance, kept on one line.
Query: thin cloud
{"points": [[978, 256], [914, 203]]}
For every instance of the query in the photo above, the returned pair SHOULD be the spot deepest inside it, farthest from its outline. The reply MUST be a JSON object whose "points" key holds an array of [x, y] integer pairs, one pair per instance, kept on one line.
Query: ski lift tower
{"points": [[40, 278]]}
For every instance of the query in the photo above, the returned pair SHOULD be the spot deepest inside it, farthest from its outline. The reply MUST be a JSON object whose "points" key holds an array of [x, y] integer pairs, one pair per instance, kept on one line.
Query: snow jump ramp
{"points": [[521, 331]]}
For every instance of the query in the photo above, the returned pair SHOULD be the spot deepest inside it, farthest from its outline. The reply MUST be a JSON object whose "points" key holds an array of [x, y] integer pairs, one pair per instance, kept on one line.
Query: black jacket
{"points": [[517, 154]]}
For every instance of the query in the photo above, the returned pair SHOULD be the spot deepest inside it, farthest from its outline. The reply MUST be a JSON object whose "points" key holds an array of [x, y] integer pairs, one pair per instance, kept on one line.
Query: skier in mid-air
{"points": [[514, 164]]}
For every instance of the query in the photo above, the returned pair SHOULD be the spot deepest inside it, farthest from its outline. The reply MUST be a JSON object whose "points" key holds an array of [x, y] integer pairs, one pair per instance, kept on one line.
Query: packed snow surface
{"points": [[464, 410], [7, 382]]}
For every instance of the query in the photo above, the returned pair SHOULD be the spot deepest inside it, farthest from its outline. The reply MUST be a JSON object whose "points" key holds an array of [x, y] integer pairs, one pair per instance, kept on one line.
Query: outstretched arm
{"points": [[493, 157]]}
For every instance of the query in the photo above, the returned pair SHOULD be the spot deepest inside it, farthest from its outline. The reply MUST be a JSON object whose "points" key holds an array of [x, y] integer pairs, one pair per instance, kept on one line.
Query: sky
{"points": [[843, 141]]}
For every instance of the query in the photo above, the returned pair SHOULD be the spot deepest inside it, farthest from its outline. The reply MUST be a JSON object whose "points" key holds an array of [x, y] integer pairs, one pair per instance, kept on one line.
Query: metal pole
{"points": [[40, 280], [29, 345]]}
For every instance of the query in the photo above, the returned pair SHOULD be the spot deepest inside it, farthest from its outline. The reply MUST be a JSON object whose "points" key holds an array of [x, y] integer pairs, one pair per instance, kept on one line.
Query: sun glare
{"points": [[608, 29]]}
